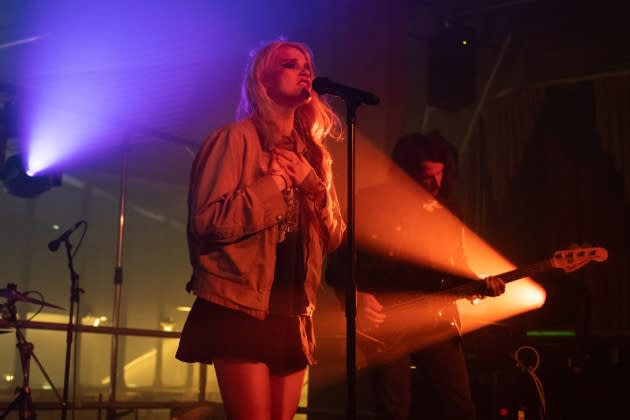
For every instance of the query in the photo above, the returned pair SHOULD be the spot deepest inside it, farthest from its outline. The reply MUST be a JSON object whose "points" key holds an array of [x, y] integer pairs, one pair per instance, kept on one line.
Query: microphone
{"points": [[53, 245], [323, 85]]}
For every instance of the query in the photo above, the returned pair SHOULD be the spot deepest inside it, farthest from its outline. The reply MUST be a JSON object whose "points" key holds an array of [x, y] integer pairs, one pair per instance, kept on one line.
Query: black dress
{"points": [[213, 330]]}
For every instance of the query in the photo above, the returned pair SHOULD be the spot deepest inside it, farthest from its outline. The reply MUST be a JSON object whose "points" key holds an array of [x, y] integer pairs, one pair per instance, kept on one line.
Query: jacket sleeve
{"points": [[223, 209]]}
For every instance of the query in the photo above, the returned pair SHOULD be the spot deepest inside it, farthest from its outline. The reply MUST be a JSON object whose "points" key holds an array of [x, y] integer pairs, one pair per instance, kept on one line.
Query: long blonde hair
{"points": [[315, 121]]}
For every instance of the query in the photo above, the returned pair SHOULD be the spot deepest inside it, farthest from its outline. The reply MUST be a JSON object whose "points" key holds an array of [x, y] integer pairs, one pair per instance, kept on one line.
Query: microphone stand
{"points": [[75, 293], [352, 98], [351, 285]]}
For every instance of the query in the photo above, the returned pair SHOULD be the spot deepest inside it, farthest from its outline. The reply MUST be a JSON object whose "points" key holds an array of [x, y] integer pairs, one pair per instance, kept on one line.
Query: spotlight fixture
{"points": [[12, 169], [21, 184]]}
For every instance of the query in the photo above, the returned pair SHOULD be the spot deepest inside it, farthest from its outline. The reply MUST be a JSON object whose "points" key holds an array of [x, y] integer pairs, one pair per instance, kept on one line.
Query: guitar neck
{"points": [[478, 287], [526, 271], [568, 260]]}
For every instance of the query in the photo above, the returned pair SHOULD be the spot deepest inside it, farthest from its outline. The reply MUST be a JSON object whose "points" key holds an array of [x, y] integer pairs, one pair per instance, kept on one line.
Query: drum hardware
{"points": [[23, 401], [11, 293]]}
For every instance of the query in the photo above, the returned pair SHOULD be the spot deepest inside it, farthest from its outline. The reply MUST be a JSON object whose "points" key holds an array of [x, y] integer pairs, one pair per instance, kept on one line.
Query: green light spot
{"points": [[551, 333]]}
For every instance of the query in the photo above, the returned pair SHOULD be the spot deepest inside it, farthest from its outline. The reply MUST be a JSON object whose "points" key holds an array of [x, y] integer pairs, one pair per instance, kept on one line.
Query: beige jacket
{"points": [[234, 211]]}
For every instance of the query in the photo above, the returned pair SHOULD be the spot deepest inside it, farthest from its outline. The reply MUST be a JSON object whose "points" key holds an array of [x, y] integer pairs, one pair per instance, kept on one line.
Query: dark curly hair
{"points": [[413, 148]]}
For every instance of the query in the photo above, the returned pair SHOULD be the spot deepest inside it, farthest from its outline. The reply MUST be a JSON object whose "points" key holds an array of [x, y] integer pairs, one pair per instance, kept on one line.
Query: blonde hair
{"points": [[315, 121]]}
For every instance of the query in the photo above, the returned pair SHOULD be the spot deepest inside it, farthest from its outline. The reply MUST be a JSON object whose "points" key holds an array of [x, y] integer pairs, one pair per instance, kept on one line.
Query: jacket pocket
{"points": [[238, 258]]}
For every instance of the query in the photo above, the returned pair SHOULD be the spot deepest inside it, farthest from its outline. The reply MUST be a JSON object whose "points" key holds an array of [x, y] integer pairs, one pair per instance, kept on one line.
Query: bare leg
{"points": [[285, 394], [245, 389]]}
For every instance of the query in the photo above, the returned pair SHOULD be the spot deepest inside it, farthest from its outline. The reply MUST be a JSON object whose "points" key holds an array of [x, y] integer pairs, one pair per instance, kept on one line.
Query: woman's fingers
{"points": [[297, 167]]}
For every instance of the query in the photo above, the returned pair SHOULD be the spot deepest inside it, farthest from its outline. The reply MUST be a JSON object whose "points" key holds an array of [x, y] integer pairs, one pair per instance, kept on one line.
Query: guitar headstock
{"points": [[572, 259]]}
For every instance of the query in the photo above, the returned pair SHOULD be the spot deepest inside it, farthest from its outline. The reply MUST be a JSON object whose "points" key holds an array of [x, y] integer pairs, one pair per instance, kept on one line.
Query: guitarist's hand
{"points": [[369, 311], [495, 286]]}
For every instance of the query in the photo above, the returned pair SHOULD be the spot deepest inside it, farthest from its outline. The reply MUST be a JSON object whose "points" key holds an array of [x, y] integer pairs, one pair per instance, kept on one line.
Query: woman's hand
{"points": [[280, 177], [293, 164]]}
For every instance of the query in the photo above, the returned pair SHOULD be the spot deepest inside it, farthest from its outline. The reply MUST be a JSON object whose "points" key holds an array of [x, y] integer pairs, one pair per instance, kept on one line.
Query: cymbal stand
{"points": [[23, 401]]}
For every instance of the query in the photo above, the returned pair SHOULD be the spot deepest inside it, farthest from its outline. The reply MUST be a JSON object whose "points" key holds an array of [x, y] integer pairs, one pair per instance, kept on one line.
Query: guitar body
{"points": [[414, 320]]}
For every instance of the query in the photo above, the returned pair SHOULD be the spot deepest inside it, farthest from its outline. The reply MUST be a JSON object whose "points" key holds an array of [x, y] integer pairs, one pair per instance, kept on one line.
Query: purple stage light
{"points": [[106, 71], [96, 75]]}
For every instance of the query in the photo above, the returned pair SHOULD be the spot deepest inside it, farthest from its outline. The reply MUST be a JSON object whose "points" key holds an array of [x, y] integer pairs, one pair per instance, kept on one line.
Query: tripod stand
{"points": [[23, 401]]}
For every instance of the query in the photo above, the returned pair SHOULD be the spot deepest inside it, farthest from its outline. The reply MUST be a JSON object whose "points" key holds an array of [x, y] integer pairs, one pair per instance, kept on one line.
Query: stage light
{"points": [[19, 183], [167, 324]]}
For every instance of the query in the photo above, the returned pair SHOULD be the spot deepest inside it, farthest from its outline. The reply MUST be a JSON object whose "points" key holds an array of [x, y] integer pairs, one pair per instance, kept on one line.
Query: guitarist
{"points": [[441, 387]]}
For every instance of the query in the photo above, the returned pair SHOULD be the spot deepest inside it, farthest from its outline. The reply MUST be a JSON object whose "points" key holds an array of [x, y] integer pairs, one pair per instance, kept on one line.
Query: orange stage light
{"points": [[388, 224]]}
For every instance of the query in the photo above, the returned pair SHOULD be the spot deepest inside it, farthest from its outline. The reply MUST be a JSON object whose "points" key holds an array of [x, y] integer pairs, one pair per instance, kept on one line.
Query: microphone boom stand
{"points": [[75, 293]]}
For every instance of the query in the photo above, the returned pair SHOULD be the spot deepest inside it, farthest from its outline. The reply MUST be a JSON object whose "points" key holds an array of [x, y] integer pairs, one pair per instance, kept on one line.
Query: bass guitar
{"points": [[414, 318]]}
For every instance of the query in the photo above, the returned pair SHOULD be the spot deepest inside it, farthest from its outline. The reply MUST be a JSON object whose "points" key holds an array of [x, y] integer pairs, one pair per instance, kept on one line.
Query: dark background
{"points": [[538, 104]]}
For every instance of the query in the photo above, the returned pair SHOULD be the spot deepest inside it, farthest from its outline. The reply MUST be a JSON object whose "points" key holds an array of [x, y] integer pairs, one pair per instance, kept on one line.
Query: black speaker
{"points": [[451, 67]]}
